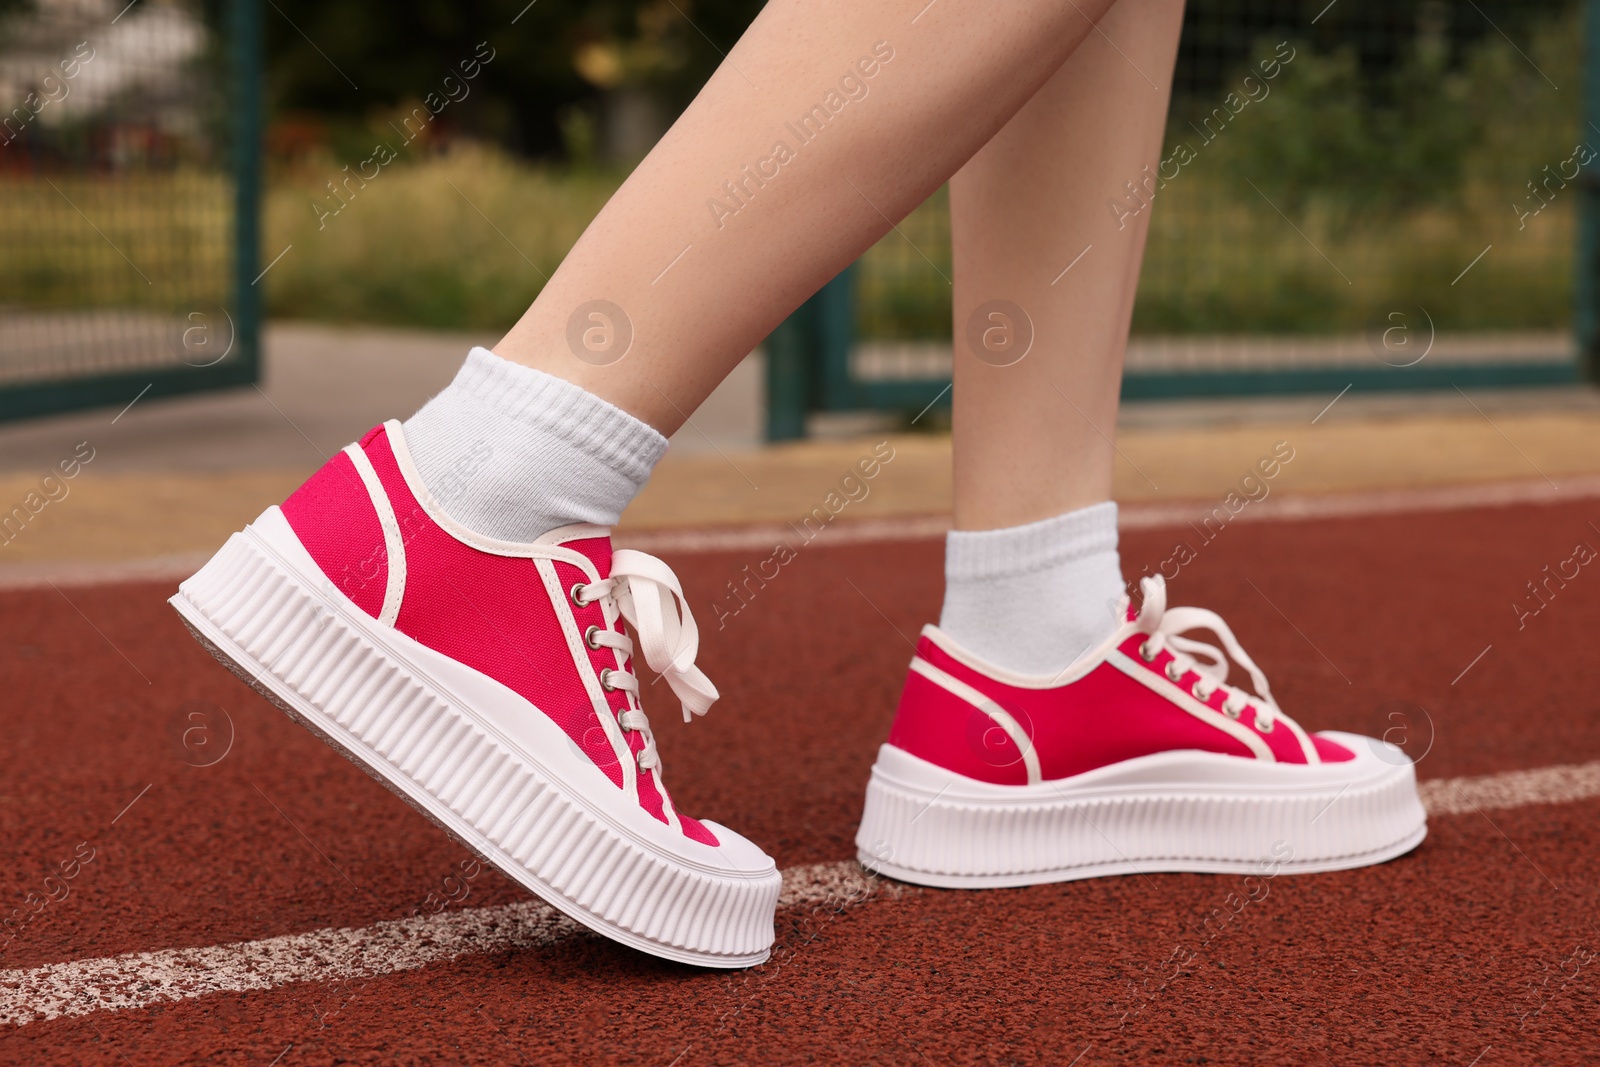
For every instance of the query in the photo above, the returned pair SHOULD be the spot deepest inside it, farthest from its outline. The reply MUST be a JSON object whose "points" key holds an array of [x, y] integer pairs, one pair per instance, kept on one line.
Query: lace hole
{"points": [[577, 594], [605, 681], [588, 637], [1146, 654], [1265, 727], [1230, 711], [1171, 676]]}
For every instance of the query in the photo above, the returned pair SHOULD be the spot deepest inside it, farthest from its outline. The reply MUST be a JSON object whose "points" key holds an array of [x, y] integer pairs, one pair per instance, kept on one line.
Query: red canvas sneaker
{"points": [[1139, 757], [492, 686]]}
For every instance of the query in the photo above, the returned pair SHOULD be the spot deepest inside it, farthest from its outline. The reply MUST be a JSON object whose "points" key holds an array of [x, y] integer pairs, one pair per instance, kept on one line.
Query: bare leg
{"points": [[1033, 439], [701, 285]]}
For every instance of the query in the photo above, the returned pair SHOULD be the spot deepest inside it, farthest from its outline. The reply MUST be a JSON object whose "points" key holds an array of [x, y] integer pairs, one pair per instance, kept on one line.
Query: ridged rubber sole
{"points": [[307, 649], [1184, 811]]}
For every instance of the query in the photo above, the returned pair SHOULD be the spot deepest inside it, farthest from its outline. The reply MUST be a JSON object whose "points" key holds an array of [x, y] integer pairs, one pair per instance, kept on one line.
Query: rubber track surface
{"points": [[1480, 947]]}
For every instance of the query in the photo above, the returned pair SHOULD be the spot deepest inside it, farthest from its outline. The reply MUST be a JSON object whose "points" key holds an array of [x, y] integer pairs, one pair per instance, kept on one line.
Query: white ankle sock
{"points": [[512, 452], [1033, 598]]}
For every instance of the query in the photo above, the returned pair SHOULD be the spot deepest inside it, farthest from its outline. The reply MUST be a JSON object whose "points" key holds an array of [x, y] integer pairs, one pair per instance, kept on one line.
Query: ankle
{"points": [[1033, 598], [512, 452]]}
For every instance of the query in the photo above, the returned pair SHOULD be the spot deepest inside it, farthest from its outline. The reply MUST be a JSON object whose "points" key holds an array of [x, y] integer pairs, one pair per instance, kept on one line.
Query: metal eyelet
{"points": [[588, 637], [1174, 678], [1265, 727], [605, 680], [1232, 712], [576, 592], [1145, 653]]}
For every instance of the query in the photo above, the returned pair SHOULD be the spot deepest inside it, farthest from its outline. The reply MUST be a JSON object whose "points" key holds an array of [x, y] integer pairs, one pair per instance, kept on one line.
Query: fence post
{"points": [[1586, 280], [788, 351], [835, 305], [808, 358], [245, 34]]}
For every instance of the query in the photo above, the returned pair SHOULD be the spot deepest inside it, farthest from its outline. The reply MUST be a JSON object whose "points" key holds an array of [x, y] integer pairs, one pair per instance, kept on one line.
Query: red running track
{"points": [[1480, 947]]}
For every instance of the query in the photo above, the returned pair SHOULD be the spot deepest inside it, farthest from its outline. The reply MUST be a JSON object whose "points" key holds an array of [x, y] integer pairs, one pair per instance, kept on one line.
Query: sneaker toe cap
{"points": [[739, 854]]}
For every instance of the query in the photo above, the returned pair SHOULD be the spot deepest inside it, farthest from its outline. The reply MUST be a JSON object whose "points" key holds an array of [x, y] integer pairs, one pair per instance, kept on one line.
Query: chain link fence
{"points": [[126, 229], [1342, 185]]}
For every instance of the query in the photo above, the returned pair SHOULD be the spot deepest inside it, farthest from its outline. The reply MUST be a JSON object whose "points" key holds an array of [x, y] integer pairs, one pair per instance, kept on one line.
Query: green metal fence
{"points": [[1410, 158], [129, 192]]}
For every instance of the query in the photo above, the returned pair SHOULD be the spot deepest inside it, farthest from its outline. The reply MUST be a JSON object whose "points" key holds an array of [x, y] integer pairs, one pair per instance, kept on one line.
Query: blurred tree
{"points": [[1221, 36], [351, 61]]}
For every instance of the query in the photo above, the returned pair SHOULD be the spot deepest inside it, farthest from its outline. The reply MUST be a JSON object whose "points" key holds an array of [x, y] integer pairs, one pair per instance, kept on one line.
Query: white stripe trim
{"points": [[578, 649], [1159, 685], [395, 434], [962, 691], [1087, 660], [394, 589], [667, 807], [1308, 748]]}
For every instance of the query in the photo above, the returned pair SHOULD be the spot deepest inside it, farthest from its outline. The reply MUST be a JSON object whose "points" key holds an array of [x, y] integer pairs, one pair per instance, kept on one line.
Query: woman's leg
{"points": [[1033, 439], [1041, 737], [1044, 285], [829, 119]]}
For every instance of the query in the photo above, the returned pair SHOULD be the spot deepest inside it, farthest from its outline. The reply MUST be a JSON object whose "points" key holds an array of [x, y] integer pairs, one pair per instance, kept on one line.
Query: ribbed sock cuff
{"points": [[540, 452], [552, 405], [1034, 598], [1015, 550]]}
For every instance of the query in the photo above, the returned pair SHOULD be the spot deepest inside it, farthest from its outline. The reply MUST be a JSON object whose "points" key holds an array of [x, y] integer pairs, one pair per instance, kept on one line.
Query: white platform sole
{"points": [[1174, 811], [476, 758]]}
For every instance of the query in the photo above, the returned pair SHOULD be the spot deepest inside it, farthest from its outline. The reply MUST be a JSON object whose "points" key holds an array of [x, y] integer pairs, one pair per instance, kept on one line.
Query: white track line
{"points": [[173, 568], [1139, 515], [1512, 789], [140, 979], [1303, 506], [764, 537]]}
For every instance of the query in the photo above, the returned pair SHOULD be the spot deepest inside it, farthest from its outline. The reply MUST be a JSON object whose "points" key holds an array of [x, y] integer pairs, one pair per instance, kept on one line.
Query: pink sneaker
{"points": [[1137, 758], [491, 685]]}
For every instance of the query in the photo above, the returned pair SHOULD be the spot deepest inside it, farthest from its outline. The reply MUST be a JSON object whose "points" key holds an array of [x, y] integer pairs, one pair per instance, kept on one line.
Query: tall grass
{"points": [[144, 241], [464, 240]]}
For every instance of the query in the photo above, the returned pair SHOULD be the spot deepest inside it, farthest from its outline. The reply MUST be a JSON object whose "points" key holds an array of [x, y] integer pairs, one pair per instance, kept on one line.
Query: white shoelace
{"points": [[645, 592], [1165, 625]]}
